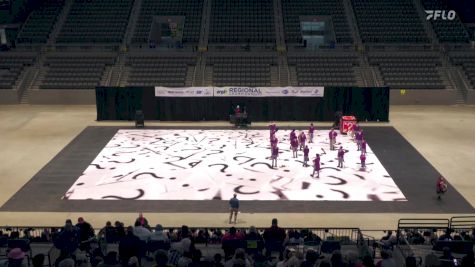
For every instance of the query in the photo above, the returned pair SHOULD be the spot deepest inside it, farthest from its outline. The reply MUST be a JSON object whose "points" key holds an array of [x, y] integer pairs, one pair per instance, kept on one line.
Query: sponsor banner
{"points": [[268, 91], [183, 91], [235, 91]]}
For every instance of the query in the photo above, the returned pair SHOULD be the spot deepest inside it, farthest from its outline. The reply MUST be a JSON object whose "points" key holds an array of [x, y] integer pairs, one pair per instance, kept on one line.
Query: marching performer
{"points": [[275, 155], [273, 140], [294, 144], [341, 157], [363, 161], [305, 156], [363, 146], [302, 139], [310, 133], [332, 136], [316, 166]]}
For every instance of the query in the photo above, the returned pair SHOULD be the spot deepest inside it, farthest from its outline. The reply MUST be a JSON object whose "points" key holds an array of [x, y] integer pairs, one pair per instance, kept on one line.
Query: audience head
{"points": [[130, 230], [325, 263], [240, 254], [158, 228], [196, 256], [38, 260], [385, 254], [217, 257], [67, 263], [133, 262], [16, 254], [108, 224], [239, 263], [232, 230], [368, 261], [161, 258], [81, 261], [184, 231], [446, 252], [311, 256], [274, 222], [80, 220], [111, 258]]}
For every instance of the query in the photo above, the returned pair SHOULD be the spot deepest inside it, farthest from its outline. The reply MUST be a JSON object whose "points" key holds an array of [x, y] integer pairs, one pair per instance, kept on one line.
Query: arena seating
{"points": [[152, 70], [325, 69], [409, 70], [292, 9], [80, 71], [242, 21], [447, 31], [40, 23], [467, 62], [190, 9], [11, 66], [388, 21], [98, 21], [242, 71]]}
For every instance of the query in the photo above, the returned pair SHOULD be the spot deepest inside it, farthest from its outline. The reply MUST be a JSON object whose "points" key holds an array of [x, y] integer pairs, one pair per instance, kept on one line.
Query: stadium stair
{"points": [[60, 22]]}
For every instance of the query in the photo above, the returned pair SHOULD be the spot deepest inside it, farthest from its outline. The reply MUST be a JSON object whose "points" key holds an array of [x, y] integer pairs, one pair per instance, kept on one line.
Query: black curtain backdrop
{"points": [[114, 103]]}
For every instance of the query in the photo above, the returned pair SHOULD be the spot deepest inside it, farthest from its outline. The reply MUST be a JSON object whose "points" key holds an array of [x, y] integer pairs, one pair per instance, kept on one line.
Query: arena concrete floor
{"points": [[30, 136]]}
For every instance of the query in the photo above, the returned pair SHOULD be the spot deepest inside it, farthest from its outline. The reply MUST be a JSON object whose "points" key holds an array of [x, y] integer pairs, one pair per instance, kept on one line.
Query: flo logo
{"points": [[440, 14]]}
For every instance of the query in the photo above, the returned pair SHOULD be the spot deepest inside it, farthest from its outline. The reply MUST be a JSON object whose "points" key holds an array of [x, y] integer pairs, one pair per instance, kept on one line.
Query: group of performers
{"points": [[298, 142]]}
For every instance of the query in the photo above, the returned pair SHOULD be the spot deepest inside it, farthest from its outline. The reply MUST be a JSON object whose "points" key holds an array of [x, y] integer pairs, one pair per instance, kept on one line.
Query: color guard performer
{"points": [[294, 144], [302, 139], [306, 150], [311, 130], [341, 157], [316, 166], [363, 161], [275, 155]]}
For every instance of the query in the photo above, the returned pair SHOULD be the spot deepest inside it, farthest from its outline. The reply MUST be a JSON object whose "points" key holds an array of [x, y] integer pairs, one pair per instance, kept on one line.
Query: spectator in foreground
{"points": [[142, 221], [86, 234], [141, 232], [218, 260], [129, 246], [468, 260], [274, 238], [38, 260], [387, 260], [232, 234], [68, 239], [161, 258], [238, 259], [159, 235], [67, 263]]}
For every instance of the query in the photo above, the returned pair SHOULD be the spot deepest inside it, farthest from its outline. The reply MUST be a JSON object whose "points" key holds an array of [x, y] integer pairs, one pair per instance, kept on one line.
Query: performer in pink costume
{"points": [[273, 140], [316, 166], [363, 161], [363, 146], [275, 155], [332, 136], [306, 150], [294, 144], [311, 130], [341, 157], [272, 128], [302, 139]]}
